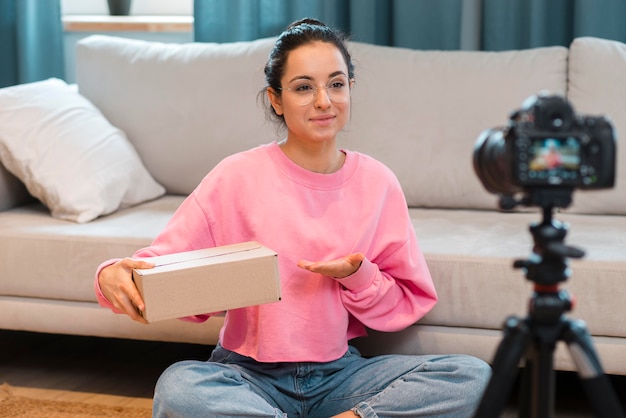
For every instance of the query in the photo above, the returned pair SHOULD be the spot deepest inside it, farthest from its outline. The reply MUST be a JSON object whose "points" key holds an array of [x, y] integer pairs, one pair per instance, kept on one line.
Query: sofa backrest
{"points": [[420, 112], [597, 86], [186, 106], [183, 106]]}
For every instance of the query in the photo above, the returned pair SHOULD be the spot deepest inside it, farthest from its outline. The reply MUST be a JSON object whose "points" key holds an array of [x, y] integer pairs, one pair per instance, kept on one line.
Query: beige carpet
{"points": [[23, 407]]}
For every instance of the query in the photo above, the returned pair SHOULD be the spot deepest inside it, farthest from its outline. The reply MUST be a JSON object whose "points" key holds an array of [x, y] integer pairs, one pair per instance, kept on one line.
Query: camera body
{"points": [[546, 145]]}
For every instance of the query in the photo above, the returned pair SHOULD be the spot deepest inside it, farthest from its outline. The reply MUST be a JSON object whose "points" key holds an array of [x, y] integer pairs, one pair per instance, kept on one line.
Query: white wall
{"points": [[138, 7]]}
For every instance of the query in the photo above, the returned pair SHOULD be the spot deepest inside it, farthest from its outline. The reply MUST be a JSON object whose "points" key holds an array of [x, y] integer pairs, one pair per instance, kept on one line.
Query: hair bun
{"points": [[305, 21]]}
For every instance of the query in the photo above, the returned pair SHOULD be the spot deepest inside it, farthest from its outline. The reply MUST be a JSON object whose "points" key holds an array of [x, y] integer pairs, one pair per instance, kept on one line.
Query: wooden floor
{"points": [[123, 372], [87, 369]]}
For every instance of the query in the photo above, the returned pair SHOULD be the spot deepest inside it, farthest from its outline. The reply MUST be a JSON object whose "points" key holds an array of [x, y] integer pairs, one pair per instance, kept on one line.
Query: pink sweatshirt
{"points": [[262, 195]]}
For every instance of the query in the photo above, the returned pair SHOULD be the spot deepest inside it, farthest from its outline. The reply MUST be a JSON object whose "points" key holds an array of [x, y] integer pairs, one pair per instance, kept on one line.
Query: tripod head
{"points": [[548, 265]]}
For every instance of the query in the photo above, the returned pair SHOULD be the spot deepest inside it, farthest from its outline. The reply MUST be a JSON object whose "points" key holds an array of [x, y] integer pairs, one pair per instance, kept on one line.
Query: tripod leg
{"points": [[595, 383], [537, 386], [505, 365]]}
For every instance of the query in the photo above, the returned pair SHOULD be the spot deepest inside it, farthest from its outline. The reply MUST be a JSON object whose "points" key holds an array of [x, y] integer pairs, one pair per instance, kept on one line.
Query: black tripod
{"points": [[535, 337]]}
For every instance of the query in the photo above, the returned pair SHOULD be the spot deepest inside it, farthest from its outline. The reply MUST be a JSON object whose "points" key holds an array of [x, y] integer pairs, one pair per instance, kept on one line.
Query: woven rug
{"points": [[23, 407]]}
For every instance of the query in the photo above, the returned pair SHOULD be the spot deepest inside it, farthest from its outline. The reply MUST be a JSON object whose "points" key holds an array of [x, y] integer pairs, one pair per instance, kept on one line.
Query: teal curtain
{"points": [[514, 24], [244, 20], [421, 24], [31, 41]]}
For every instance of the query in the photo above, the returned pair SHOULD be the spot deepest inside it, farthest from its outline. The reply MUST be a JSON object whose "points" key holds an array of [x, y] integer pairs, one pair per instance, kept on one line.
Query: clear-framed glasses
{"points": [[304, 91]]}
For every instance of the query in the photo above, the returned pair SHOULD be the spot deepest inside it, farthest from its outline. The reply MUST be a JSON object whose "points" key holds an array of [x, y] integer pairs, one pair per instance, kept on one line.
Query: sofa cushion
{"points": [[183, 106], [420, 112], [68, 155], [470, 255], [36, 248], [597, 86]]}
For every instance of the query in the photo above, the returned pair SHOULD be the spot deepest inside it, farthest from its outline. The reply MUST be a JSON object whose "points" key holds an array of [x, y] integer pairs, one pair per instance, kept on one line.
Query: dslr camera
{"points": [[546, 151]]}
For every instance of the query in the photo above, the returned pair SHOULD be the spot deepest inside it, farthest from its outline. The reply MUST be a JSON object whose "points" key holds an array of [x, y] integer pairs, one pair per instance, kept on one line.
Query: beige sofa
{"points": [[185, 107]]}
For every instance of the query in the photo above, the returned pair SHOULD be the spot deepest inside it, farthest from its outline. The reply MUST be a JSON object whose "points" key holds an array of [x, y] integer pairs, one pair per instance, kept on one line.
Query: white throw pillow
{"points": [[67, 154]]}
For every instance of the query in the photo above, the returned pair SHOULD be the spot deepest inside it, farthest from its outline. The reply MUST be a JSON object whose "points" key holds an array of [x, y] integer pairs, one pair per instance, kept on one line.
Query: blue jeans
{"points": [[231, 385]]}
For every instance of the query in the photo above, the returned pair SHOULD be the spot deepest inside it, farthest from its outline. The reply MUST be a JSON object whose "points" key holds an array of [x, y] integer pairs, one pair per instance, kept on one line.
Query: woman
{"points": [[307, 200]]}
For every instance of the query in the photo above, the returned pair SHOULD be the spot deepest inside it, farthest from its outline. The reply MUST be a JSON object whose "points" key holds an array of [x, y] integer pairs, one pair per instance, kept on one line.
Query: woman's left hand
{"points": [[339, 268]]}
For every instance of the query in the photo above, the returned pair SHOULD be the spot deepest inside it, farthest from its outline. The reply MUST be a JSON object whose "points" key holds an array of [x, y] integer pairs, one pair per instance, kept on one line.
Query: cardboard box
{"points": [[209, 280]]}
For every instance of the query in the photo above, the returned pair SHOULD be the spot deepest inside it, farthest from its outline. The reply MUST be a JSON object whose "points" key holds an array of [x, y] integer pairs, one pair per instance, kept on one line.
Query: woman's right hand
{"points": [[117, 285]]}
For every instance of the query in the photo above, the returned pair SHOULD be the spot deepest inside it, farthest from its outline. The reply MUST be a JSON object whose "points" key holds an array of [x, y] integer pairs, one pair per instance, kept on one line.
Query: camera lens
{"points": [[492, 162]]}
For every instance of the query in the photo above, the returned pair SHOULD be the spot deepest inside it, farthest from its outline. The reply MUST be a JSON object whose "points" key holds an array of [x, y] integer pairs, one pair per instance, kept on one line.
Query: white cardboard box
{"points": [[208, 280]]}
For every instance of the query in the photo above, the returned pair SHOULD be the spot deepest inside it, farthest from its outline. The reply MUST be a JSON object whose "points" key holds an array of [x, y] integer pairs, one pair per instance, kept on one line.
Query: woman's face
{"points": [[315, 99]]}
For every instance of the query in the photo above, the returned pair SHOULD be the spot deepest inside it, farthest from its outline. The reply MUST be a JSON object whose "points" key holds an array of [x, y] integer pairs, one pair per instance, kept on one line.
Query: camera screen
{"points": [[554, 157]]}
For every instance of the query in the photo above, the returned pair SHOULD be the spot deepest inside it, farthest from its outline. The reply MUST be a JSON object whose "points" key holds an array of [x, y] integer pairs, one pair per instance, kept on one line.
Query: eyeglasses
{"points": [[304, 91]]}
